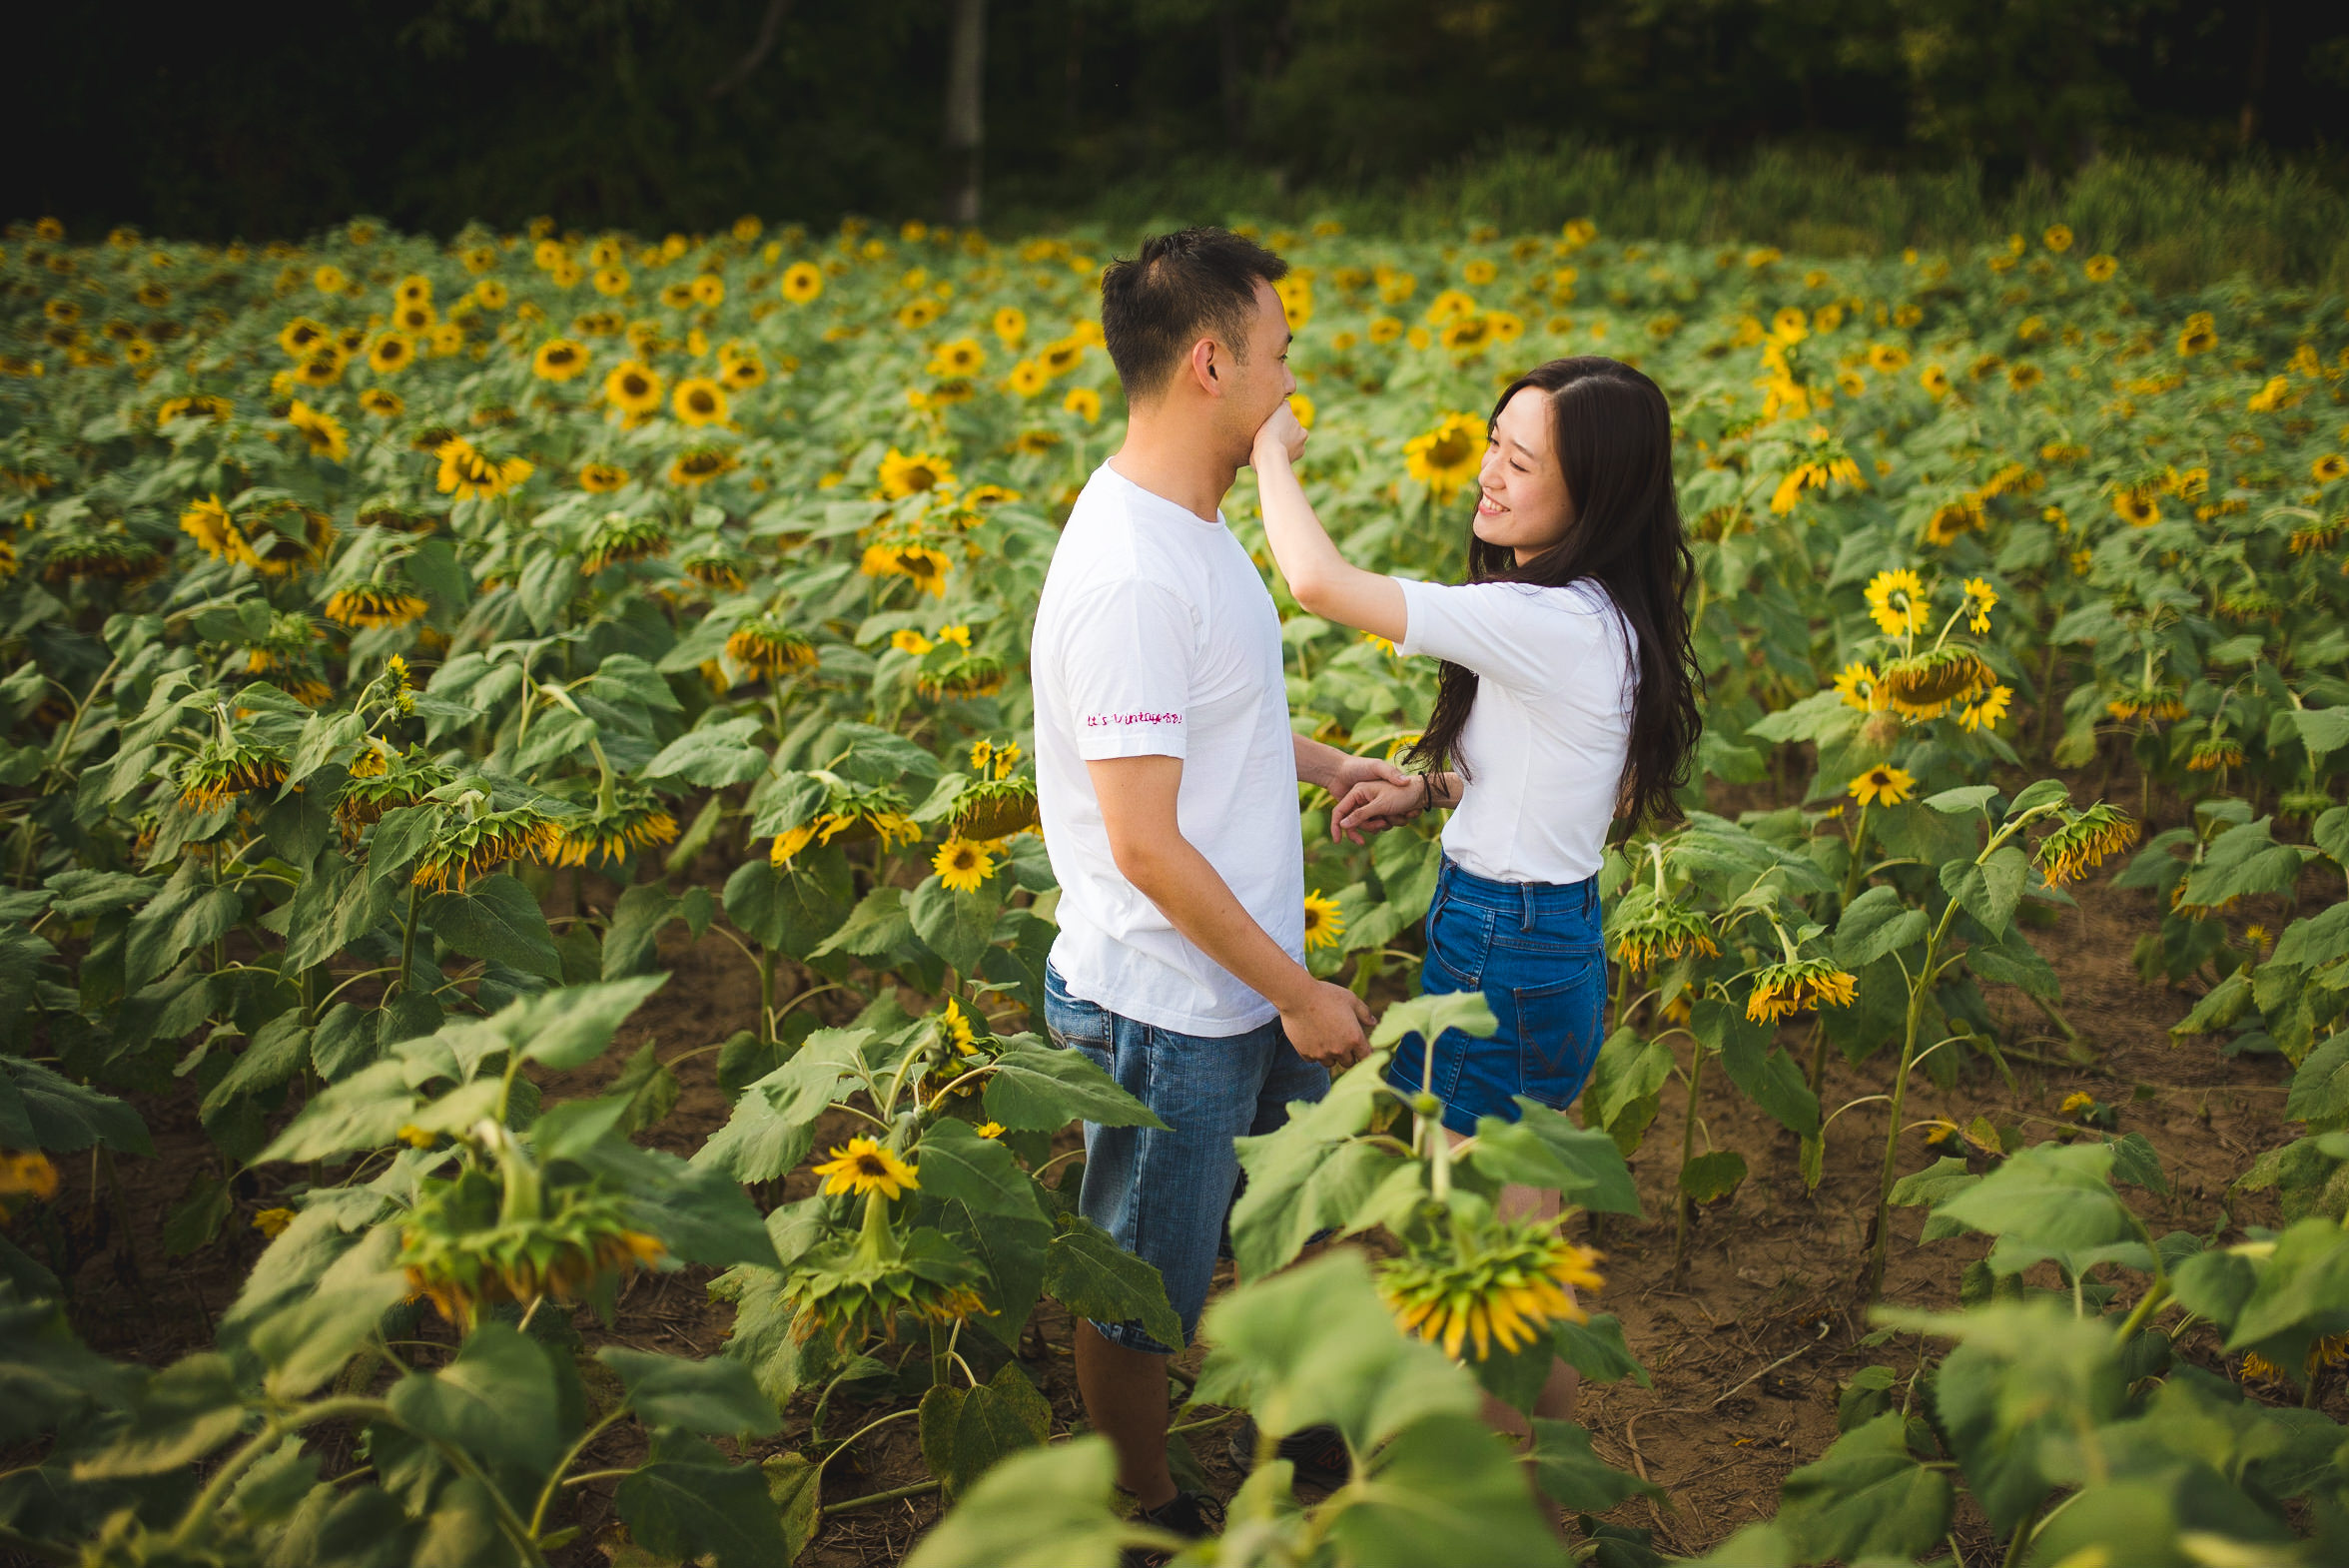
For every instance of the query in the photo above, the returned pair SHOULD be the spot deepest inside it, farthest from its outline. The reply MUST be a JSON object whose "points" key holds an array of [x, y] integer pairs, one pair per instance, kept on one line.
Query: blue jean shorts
{"points": [[1164, 1194], [1534, 950]]}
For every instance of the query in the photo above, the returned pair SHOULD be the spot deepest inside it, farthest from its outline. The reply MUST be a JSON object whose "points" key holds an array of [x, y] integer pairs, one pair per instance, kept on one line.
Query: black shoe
{"points": [[1319, 1453], [1192, 1515]]}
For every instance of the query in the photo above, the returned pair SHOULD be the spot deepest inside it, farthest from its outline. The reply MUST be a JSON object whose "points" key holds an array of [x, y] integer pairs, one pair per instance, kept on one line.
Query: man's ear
{"points": [[1203, 367]]}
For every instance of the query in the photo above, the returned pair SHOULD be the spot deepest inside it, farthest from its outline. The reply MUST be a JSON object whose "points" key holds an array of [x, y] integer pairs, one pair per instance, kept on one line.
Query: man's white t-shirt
{"points": [[1546, 741], [1157, 637]]}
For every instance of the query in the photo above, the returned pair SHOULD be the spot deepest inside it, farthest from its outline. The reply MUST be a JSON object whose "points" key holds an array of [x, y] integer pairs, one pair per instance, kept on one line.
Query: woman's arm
{"points": [[1322, 581]]}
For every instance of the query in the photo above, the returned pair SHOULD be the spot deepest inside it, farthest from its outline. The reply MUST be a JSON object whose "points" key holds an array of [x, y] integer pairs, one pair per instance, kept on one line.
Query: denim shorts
{"points": [[1534, 950], [1165, 1195]]}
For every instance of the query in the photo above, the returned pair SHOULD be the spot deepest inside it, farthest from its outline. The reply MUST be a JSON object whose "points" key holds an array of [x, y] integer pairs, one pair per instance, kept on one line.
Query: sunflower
{"points": [[1498, 1284], [992, 809], [390, 353], [374, 604], [1447, 456], [383, 404], [1468, 334], [961, 357], [601, 478], [2332, 465], [963, 865], [323, 431], [1985, 712], [620, 538], [1084, 403], [635, 820], [611, 282], [698, 400], [300, 335], [2214, 753], [865, 1167], [742, 370], [1934, 381], [2056, 237], [766, 647], [560, 360], [322, 368], [1448, 307], [967, 675], [199, 406], [1798, 986], [1059, 358], [925, 566], [1384, 328], [697, 465], [1922, 685], [1882, 784], [802, 282], [470, 847], [633, 387], [208, 522], [224, 767], [414, 289], [2137, 509], [1897, 602], [383, 780], [1011, 326], [2082, 842], [1653, 932], [1951, 521], [1324, 924], [78, 555], [903, 475], [717, 566], [469, 473], [707, 288], [2198, 336]]}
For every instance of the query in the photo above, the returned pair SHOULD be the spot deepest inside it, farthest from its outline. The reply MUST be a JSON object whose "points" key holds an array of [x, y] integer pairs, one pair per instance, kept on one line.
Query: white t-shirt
{"points": [[1155, 637], [1546, 741]]}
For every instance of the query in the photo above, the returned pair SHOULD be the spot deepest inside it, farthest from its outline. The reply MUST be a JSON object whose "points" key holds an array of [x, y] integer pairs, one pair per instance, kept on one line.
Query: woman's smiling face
{"points": [[1523, 504]]}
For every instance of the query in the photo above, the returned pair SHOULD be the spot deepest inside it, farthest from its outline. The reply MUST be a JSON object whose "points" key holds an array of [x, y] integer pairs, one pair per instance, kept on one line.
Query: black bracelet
{"points": [[1426, 792]]}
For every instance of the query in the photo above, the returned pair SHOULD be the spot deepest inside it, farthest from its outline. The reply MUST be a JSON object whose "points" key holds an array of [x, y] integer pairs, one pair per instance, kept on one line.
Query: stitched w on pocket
{"points": [[1560, 1024]]}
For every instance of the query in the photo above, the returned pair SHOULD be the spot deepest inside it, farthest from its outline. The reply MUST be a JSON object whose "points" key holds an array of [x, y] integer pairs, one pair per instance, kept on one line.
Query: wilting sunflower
{"points": [[699, 465], [1324, 923], [326, 435], [471, 846], [1496, 1284], [1447, 456], [699, 401], [717, 566], [1798, 986], [1922, 685], [384, 780], [2082, 842], [633, 387], [1883, 785], [79, 554], [374, 604], [765, 646], [620, 537], [963, 865], [283, 538], [993, 809], [284, 646], [227, 766], [2152, 704], [469, 474], [802, 282], [2213, 753], [1897, 602], [962, 677], [558, 359], [476, 1239], [634, 820], [1654, 931]]}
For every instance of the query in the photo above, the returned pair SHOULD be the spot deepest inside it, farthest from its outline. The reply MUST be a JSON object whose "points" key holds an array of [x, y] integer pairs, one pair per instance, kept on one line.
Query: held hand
{"points": [[1365, 770], [1330, 1026], [1280, 434], [1373, 806]]}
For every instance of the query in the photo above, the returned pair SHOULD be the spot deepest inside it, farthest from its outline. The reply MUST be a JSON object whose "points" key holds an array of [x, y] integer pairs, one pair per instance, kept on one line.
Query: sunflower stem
{"points": [[1884, 1193], [1688, 1150], [1854, 873]]}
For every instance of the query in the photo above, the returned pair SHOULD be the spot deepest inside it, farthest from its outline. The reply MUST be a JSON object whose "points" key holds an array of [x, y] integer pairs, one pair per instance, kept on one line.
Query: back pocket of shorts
{"points": [[1559, 1028]]}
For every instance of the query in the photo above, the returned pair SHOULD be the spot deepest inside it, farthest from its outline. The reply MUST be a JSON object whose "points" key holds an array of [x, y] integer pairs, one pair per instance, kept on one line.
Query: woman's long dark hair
{"points": [[1613, 433]]}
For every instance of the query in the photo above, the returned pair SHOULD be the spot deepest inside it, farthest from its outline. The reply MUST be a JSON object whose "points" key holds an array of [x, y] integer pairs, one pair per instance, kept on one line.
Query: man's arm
{"points": [[1338, 771], [1325, 1023]]}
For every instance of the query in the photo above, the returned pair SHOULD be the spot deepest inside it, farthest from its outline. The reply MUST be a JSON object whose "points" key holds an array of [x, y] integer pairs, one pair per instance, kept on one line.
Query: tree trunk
{"points": [[966, 126]]}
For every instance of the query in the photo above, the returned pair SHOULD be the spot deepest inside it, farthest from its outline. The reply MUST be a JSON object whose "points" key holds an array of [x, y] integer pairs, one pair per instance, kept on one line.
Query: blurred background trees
{"points": [[660, 113]]}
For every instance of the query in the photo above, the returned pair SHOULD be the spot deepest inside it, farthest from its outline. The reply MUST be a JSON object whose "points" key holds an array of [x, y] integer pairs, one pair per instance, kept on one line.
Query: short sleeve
{"points": [[1127, 654], [1497, 629]]}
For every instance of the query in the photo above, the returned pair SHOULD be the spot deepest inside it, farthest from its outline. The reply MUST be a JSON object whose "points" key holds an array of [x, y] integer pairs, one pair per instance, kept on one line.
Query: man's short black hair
{"points": [[1184, 285]]}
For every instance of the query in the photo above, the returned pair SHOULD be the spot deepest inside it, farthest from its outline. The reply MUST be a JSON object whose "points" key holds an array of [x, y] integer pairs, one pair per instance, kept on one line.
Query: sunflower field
{"points": [[409, 649]]}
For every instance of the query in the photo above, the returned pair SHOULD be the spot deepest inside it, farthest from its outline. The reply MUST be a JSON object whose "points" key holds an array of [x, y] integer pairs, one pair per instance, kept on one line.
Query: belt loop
{"points": [[1527, 903], [1590, 895]]}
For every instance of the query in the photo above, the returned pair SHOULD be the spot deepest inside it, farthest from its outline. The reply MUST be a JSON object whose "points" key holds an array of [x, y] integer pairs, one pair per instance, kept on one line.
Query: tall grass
{"points": [[2178, 224]]}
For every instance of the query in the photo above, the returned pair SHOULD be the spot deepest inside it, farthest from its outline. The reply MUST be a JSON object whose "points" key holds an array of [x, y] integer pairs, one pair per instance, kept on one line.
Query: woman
{"points": [[1567, 698]]}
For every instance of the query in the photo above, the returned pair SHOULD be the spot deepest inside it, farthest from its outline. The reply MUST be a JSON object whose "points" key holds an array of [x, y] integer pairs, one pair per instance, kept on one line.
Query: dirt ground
{"points": [[1747, 1351]]}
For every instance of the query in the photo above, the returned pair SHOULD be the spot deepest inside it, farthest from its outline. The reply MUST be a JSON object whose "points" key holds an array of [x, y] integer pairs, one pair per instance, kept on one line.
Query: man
{"points": [[1166, 774]]}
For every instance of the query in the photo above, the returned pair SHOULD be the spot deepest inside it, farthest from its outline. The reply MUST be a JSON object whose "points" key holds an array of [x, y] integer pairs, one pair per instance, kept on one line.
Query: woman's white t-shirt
{"points": [[1156, 636], [1546, 741]]}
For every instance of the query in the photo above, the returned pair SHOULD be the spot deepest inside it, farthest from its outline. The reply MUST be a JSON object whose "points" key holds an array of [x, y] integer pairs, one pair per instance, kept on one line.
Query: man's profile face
{"points": [[1255, 387]]}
